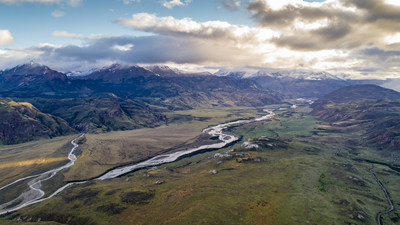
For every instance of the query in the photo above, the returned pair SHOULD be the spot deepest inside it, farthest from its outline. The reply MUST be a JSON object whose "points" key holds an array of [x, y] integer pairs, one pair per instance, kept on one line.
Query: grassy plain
{"points": [[104, 151], [30, 158], [311, 177]]}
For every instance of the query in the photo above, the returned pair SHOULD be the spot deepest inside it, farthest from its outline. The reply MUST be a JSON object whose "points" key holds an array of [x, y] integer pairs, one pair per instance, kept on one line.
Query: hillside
{"points": [[368, 108], [21, 122], [360, 92], [101, 114], [301, 88]]}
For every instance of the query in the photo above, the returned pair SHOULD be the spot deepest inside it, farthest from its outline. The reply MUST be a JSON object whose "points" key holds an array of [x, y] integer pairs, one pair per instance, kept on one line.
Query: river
{"points": [[35, 194]]}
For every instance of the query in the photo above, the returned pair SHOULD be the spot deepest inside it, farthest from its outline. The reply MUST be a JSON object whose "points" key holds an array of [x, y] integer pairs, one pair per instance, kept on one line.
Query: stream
{"points": [[391, 206], [34, 194], [389, 200]]}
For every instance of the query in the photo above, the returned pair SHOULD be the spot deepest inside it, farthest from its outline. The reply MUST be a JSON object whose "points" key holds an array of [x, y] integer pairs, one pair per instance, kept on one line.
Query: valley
{"points": [[297, 165], [176, 148], [189, 112]]}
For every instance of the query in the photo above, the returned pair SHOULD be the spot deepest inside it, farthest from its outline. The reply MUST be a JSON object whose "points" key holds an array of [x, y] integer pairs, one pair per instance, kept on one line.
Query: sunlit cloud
{"points": [[172, 3], [392, 2], [393, 38], [188, 27], [6, 37]]}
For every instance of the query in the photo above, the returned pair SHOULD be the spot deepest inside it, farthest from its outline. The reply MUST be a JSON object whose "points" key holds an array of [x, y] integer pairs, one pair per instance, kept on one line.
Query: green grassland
{"points": [[303, 173]]}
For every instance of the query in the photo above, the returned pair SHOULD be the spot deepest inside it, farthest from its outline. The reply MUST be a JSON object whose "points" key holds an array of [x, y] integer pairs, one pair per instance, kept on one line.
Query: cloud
{"points": [[231, 4], [126, 2], [331, 24], [357, 37], [57, 13], [172, 3], [187, 27], [148, 49], [377, 60], [6, 37], [69, 2], [123, 48], [65, 34], [74, 2]]}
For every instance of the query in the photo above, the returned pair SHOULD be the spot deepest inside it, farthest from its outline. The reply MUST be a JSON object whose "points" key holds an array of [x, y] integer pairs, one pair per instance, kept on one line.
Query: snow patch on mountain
{"points": [[278, 74]]}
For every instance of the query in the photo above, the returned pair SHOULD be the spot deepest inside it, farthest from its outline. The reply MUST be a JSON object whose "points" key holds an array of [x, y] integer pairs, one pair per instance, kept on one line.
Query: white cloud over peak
{"points": [[6, 37], [172, 3]]}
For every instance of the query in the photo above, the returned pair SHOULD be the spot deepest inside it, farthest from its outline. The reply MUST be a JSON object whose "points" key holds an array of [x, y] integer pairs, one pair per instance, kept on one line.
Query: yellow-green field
{"points": [[20, 160]]}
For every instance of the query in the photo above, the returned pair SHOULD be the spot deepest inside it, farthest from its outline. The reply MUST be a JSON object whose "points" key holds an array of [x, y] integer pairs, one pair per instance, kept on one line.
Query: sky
{"points": [[358, 38]]}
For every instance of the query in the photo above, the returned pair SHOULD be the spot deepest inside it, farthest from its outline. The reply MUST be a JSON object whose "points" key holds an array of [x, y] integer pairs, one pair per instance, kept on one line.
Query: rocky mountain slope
{"points": [[21, 121], [101, 114], [35, 80]]}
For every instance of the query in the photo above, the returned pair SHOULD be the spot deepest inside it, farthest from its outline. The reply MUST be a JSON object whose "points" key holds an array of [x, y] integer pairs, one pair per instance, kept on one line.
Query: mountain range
{"points": [[122, 97], [299, 83], [118, 97]]}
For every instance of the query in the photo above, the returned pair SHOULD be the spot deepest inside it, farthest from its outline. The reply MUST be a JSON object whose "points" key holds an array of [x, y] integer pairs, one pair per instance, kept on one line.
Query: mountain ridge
{"points": [[21, 122], [370, 109]]}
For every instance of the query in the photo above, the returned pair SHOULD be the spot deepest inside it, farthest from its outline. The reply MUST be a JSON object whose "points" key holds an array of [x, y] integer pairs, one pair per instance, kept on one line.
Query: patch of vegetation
{"points": [[82, 194], [322, 183], [111, 209], [136, 197], [111, 192]]}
